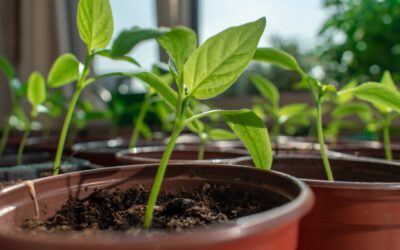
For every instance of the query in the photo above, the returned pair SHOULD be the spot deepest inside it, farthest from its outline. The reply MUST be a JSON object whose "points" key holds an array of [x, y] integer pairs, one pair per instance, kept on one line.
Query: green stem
{"points": [[139, 121], [320, 135], [5, 135], [23, 142], [64, 131], [160, 177], [202, 148], [386, 138]]}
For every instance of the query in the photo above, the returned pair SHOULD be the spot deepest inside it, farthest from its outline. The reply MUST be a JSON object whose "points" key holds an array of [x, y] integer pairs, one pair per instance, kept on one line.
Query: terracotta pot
{"points": [[360, 210], [273, 229], [181, 154], [372, 149]]}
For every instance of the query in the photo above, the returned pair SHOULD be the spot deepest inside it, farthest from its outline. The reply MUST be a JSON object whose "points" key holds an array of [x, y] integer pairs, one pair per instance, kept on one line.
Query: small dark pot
{"points": [[181, 154], [272, 229], [38, 170], [360, 210], [372, 149], [8, 160]]}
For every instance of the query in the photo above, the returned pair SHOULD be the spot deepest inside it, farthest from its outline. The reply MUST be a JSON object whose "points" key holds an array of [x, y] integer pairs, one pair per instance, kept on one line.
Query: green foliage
{"points": [[107, 53], [36, 91], [369, 45], [266, 88], [64, 71], [7, 68], [221, 134], [217, 64], [128, 39], [95, 23]]}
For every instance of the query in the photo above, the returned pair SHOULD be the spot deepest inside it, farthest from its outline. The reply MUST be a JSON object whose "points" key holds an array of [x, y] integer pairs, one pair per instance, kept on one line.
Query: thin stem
{"points": [[139, 121], [386, 138], [23, 142], [64, 131], [160, 177], [320, 135], [202, 148], [5, 135]]}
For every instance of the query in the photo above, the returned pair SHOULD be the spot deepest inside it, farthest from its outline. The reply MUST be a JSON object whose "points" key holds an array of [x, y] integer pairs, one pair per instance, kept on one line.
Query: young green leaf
{"points": [[128, 39], [95, 23], [251, 130], [107, 53], [266, 88], [217, 64], [7, 68], [378, 94], [64, 70], [347, 97], [279, 58], [387, 80], [221, 134], [179, 43], [36, 90], [290, 110], [348, 109]]}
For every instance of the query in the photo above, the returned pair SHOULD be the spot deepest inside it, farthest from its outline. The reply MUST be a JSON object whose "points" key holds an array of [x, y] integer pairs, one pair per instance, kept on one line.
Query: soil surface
{"points": [[4, 184], [119, 210]]}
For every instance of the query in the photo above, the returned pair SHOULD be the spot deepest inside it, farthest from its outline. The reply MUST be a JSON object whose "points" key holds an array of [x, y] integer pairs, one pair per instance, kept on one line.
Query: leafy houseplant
{"points": [[36, 94], [319, 91], [386, 98]]}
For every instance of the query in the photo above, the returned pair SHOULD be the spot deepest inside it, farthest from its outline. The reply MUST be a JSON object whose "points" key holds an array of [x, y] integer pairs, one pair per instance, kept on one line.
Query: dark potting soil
{"points": [[4, 184], [119, 210]]}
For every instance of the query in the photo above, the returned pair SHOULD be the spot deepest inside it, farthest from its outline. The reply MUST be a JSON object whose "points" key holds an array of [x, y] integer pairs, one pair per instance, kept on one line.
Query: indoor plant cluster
{"points": [[178, 194]]}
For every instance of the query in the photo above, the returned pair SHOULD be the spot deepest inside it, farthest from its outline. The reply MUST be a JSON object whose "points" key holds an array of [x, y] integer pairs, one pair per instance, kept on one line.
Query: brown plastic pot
{"points": [[273, 229], [181, 154], [372, 149], [360, 210]]}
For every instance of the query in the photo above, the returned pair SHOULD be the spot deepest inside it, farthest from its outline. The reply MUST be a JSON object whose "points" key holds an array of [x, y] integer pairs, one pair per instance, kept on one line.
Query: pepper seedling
{"points": [[202, 73], [293, 115], [320, 92], [16, 117], [95, 25], [386, 98], [36, 95]]}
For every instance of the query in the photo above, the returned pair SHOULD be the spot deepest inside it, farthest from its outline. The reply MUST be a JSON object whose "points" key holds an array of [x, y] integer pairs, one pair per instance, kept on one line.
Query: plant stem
{"points": [[5, 135], [23, 142], [64, 131], [160, 177], [202, 147], [139, 121], [386, 138], [320, 136]]}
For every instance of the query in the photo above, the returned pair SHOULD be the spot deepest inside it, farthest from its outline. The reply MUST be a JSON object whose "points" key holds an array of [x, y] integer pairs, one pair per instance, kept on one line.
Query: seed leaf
{"points": [[221, 134], [64, 70], [217, 64], [95, 23], [266, 88], [36, 89]]}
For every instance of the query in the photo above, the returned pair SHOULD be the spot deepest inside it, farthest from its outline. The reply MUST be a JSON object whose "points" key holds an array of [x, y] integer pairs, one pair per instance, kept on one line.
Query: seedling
{"points": [[386, 98], [36, 95], [204, 73], [319, 91], [293, 115], [16, 117]]}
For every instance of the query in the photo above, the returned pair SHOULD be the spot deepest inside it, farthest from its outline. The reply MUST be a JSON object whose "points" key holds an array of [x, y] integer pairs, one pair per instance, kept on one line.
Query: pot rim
{"points": [[215, 234], [339, 184], [125, 154]]}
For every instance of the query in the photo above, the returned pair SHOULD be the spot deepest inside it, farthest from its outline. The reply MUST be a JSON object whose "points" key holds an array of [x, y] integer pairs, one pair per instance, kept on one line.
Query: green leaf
{"points": [[128, 39], [288, 111], [179, 43], [361, 109], [64, 70], [221, 134], [218, 63], [95, 23], [36, 91], [279, 58], [251, 130], [377, 94], [347, 97], [7, 68], [107, 53], [387, 80], [266, 88]]}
